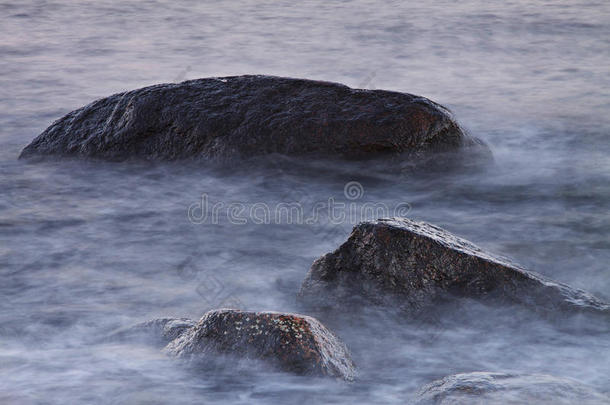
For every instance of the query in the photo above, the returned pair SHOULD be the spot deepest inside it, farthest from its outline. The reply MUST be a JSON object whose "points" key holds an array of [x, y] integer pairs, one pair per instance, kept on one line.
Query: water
{"points": [[87, 247]]}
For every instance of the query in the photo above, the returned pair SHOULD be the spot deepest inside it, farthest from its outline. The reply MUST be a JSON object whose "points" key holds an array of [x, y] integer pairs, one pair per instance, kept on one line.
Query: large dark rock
{"points": [[500, 388], [245, 116], [410, 264], [294, 343]]}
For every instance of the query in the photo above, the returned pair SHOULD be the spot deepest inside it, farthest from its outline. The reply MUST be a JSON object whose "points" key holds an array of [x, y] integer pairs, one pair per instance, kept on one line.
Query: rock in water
{"points": [[244, 116], [294, 343], [400, 262], [500, 388]]}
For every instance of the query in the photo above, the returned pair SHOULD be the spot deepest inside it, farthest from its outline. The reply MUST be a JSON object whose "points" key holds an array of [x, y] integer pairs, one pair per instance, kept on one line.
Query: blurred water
{"points": [[86, 247]]}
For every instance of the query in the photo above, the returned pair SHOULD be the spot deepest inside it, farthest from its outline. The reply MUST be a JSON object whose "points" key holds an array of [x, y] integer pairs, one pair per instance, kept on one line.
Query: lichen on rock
{"points": [[294, 343]]}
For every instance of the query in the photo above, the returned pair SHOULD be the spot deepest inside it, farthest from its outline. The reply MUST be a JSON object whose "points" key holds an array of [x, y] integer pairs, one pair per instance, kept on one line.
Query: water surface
{"points": [[87, 247]]}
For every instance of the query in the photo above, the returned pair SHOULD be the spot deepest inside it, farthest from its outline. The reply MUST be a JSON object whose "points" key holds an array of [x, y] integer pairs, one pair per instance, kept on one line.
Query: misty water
{"points": [[87, 247]]}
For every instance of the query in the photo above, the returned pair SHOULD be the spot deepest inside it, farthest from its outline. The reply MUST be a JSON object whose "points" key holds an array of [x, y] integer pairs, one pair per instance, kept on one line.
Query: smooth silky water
{"points": [[87, 247]]}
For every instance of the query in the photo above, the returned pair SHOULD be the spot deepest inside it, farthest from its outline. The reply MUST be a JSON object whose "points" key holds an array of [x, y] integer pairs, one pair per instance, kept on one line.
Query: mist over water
{"points": [[87, 247]]}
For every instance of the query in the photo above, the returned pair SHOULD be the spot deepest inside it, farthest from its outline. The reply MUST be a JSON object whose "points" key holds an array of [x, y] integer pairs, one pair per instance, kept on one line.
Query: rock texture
{"points": [[293, 343], [400, 262], [244, 116], [500, 388]]}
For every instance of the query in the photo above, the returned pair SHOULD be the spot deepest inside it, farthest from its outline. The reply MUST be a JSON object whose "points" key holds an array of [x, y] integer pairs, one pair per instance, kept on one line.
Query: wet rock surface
{"points": [[244, 116], [293, 343], [501, 388], [404, 263]]}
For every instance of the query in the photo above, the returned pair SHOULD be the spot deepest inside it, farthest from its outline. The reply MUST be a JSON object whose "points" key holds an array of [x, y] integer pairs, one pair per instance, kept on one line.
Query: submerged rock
{"points": [[500, 388], [400, 262], [156, 331], [293, 343], [246, 116]]}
